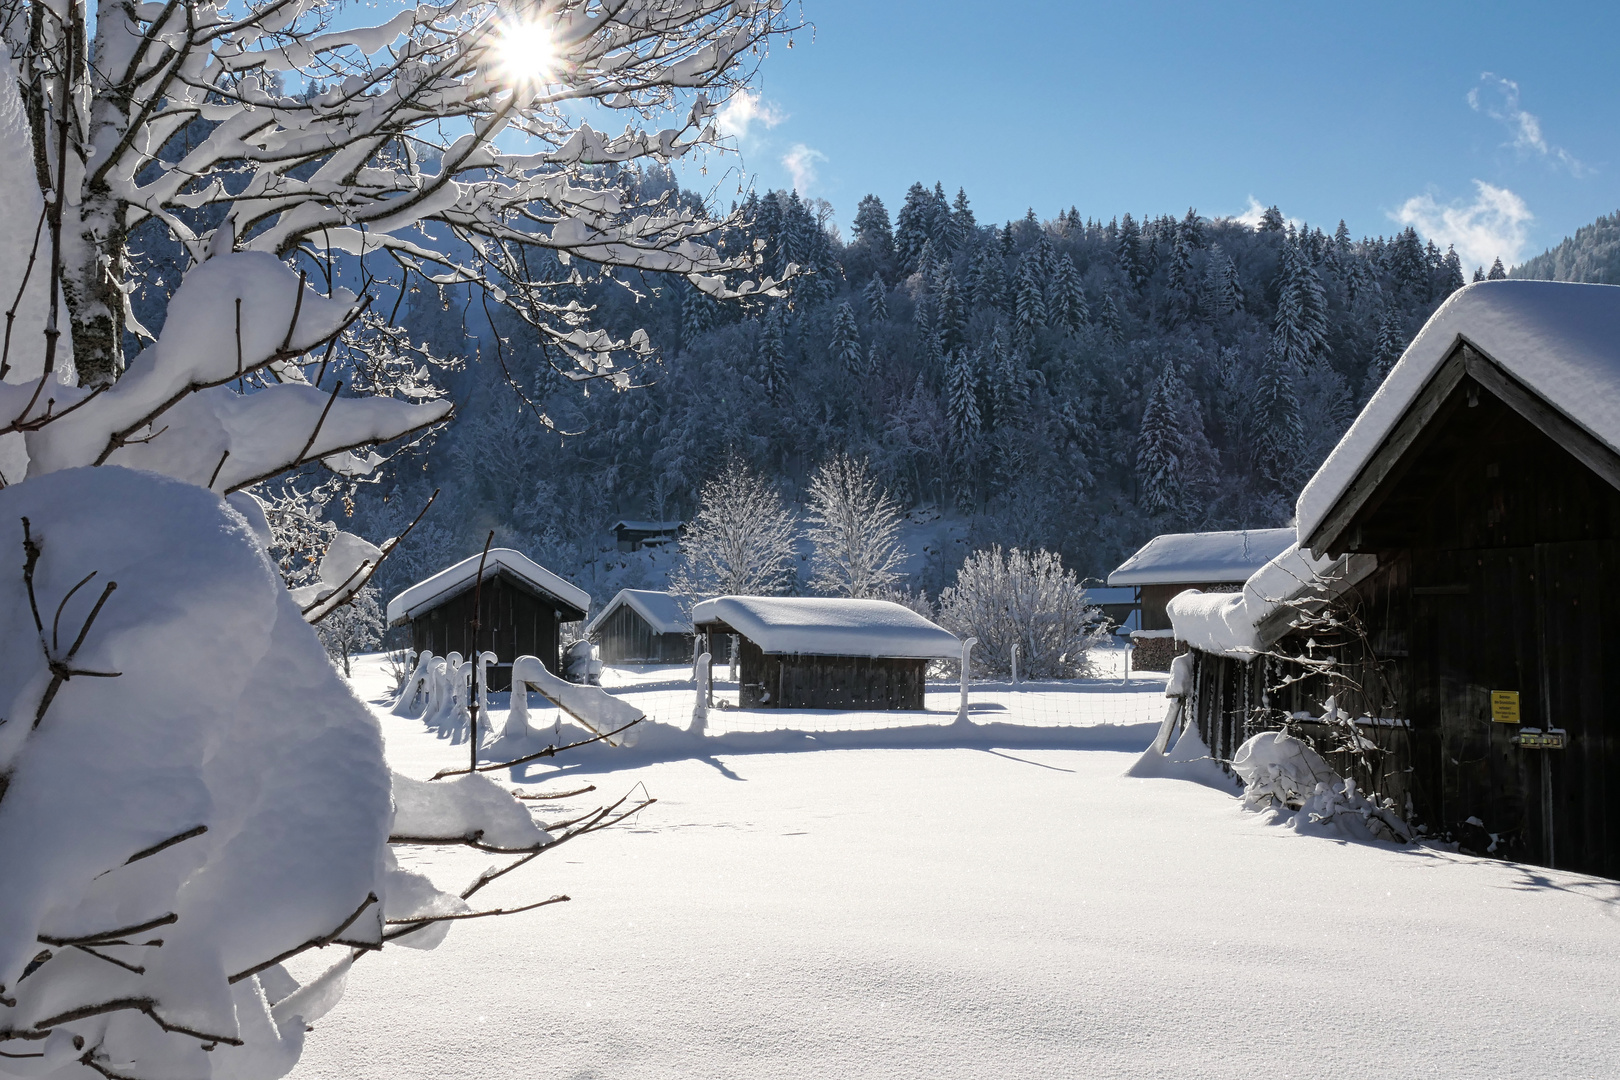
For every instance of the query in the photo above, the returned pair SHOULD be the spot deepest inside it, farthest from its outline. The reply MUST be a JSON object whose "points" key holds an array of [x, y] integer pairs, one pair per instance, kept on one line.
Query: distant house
{"points": [[827, 653], [1175, 562], [1118, 604], [523, 607], [642, 627], [635, 535], [1470, 518]]}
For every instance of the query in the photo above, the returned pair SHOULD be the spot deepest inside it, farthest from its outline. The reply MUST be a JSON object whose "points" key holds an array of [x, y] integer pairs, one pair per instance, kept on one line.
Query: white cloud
{"points": [[801, 160], [739, 114], [1498, 98], [1493, 225]]}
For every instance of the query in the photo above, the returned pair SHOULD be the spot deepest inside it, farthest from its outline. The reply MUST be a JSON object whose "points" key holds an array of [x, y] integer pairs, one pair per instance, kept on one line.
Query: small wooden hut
{"points": [[827, 653], [1173, 562], [522, 609], [639, 626], [1479, 491], [635, 535]]}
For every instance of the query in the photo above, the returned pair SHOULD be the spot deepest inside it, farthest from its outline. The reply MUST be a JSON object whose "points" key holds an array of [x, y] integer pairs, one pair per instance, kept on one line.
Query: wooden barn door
{"points": [[1474, 631], [1579, 587]]}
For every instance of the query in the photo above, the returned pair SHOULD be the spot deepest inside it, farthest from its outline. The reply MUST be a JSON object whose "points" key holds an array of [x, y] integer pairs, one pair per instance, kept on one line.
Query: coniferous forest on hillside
{"points": [[1068, 383]]}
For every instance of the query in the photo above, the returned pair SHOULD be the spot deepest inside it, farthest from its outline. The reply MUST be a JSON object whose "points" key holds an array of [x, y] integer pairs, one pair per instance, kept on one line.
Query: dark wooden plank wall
{"points": [[513, 623], [828, 682], [625, 637]]}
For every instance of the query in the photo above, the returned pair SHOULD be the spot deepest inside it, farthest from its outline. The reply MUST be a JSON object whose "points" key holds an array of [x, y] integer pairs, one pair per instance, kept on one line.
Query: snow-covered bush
{"points": [[740, 542], [352, 628], [1283, 774], [1023, 598]]}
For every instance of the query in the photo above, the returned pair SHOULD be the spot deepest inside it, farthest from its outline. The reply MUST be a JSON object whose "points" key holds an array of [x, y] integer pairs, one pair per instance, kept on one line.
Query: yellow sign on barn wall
{"points": [[1505, 706]]}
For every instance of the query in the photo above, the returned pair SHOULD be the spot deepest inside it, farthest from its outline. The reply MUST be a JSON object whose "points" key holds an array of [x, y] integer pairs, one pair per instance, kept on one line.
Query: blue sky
{"points": [[1491, 125]]}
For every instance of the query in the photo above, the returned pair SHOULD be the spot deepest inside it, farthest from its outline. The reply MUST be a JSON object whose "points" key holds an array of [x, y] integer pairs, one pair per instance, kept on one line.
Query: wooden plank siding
{"points": [[625, 637], [513, 621], [772, 681]]}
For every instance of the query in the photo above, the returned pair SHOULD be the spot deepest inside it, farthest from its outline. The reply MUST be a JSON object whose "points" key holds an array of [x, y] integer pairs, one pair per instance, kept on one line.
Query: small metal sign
{"points": [[1540, 740], [1505, 706]]}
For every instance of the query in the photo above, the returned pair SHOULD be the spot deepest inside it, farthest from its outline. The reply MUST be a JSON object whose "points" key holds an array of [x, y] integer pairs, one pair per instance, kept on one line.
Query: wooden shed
{"points": [[635, 535], [523, 608], [639, 626], [1173, 562], [1479, 491], [827, 653]]}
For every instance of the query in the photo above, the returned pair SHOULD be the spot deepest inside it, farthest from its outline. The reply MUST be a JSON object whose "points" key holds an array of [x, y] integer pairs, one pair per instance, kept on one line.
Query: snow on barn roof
{"points": [[662, 611], [826, 626], [646, 526], [1229, 624], [1202, 558], [1560, 340], [458, 578]]}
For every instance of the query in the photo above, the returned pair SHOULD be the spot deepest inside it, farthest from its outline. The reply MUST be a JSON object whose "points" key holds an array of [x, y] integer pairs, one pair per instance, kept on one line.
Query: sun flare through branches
{"points": [[524, 54]]}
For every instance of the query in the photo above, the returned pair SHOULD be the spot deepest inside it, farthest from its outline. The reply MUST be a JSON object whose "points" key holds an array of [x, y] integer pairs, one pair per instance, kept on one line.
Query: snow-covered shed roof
{"points": [[647, 526], [827, 626], [1559, 340], [661, 610], [1202, 558], [460, 577], [1229, 624]]}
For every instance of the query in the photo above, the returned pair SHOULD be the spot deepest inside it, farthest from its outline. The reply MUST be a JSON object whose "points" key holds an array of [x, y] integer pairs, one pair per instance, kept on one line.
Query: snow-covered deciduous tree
{"points": [[446, 136], [352, 628], [855, 527], [1023, 598], [740, 542]]}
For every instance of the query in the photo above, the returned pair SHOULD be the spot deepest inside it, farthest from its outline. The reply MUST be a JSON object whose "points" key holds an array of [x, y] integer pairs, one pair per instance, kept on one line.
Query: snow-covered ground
{"points": [[898, 906]]}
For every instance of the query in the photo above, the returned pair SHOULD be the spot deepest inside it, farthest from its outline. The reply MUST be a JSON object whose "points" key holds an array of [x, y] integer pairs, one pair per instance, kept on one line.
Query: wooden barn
{"points": [[827, 653], [639, 626], [635, 535], [1173, 562], [1473, 514], [523, 608]]}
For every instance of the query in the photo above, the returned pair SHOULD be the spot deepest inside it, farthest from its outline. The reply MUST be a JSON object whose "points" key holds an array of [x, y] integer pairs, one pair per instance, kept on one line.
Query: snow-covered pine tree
{"points": [[1220, 295], [1301, 327], [1390, 344], [962, 400], [740, 541], [773, 356], [876, 295], [1271, 220], [1128, 254], [1406, 265], [1497, 273], [1158, 447], [1278, 435], [1451, 278], [1009, 376], [964, 228], [1192, 229], [1066, 304], [912, 226], [846, 340], [697, 313], [854, 529], [990, 278], [1029, 301], [871, 227], [952, 314], [1112, 325], [1181, 297]]}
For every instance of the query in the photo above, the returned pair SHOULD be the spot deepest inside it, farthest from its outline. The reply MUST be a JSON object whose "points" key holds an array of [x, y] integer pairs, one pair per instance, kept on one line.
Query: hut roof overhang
{"points": [[661, 610], [1550, 350], [568, 598], [1212, 558], [827, 626]]}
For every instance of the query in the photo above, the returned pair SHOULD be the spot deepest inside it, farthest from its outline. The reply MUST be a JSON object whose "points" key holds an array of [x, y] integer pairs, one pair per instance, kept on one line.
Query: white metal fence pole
{"points": [[1015, 663], [700, 704]]}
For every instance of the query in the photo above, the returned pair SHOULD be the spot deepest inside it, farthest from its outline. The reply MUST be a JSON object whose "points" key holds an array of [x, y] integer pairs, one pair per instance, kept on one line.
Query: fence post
{"points": [[700, 705], [1015, 662], [967, 649]]}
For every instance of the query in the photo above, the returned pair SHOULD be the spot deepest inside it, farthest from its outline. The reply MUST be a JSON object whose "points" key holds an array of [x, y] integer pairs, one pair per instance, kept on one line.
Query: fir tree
{"points": [[1300, 329], [1180, 298], [1128, 254], [1479, 273], [1192, 229], [952, 321], [697, 313], [912, 227], [1390, 344], [871, 227], [876, 296], [1221, 289], [1112, 325], [1066, 305], [846, 340], [964, 228], [1029, 303], [773, 356], [989, 278], [1497, 272], [1158, 449], [1009, 385], [1451, 277], [962, 399], [1341, 239], [1271, 220], [1407, 267], [1279, 435]]}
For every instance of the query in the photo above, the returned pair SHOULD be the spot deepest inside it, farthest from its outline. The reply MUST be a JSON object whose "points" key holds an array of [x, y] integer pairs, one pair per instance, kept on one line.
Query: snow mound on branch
{"points": [[1285, 777], [225, 715], [468, 807], [1228, 624]]}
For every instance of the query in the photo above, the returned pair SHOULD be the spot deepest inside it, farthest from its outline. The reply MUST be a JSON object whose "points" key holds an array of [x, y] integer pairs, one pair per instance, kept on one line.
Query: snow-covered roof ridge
{"points": [[1230, 624], [452, 580], [1195, 558], [830, 626], [662, 610], [1560, 339], [647, 526]]}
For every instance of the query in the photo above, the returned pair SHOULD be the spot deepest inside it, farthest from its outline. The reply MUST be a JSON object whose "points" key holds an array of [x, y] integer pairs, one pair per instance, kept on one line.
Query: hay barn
{"points": [[640, 626]]}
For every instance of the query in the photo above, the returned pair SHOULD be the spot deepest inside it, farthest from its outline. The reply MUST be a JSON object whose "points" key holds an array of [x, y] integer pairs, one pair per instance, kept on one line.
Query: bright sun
{"points": [[524, 54]]}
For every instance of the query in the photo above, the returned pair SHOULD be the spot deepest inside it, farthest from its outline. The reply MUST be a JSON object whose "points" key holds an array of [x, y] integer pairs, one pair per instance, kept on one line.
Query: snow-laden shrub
{"points": [[1027, 598], [1284, 775]]}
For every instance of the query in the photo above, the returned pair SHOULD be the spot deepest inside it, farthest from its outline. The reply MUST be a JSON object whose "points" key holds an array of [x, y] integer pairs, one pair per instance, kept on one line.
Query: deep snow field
{"points": [[1008, 906]]}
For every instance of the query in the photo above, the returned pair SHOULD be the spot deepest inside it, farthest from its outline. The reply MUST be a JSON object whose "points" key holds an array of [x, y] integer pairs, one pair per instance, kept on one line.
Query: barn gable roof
{"points": [[829, 626], [661, 610], [457, 579], [1548, 342], [1202, 558]]}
